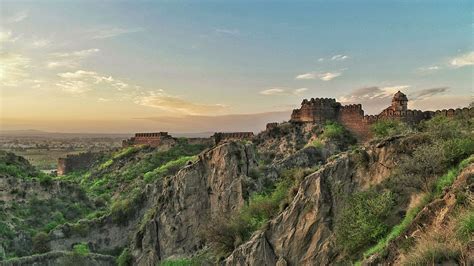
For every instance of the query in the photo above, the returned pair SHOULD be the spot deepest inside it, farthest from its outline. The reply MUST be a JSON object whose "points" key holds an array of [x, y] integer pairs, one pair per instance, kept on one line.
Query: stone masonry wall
{"points": [[352, 116], [76, 162]]}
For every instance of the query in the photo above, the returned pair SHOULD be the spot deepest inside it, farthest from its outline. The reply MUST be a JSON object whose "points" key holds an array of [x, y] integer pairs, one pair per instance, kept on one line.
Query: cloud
{"points": [[177, 105], [40, 43], [227, 31], [13, 68], [429, 68], [88, 79], [327, 76], [17, 17], [69, 59], [7, 36], [373, 99], [274, 91], [428, 93], [439, 102], [339, 57], [74, 86], [77, 75], [466, 59], [283, 91], [109, 32]]}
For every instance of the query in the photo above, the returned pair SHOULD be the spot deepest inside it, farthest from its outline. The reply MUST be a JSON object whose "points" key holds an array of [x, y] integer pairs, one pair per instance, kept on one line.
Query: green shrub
{"points": [[337, 132], [81, 249], [315, 143], [123, 209], [40, 243], [169, 168], [387, 128], [465, 226], [125, 258], [362, 220]]}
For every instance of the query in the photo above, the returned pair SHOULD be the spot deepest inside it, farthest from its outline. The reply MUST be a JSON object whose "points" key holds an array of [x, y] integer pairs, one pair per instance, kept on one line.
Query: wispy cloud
{"points": [[466, 59], [428, 69], [109, 32], [13, 68], [227, 31], [40, 43], [177, 105], [283, 91], [339, 57], [85, 80], [69, 59], [17, 17], [373, 99], [7, 36], [326, 76], [428, 93]]}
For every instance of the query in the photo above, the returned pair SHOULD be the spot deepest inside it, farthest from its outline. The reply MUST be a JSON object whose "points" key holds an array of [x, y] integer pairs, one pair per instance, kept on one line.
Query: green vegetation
{"points": [[228, 231], [441, 183], [362, 220], [465, 226], [336, 132], [169, 168], [125, 258], [40, 243], [387, 128], [315, 143], [81, 249]]}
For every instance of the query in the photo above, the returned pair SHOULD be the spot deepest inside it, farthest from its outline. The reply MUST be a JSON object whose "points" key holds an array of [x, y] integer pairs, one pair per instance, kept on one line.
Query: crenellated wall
{"points": [[352, 116], [156, 139], [221, 136], [317, 110], [77, 162]]}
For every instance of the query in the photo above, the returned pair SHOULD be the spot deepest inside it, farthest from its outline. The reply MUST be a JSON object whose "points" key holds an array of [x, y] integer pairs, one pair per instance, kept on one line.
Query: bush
{"points": [[465, 226], [226, 232], [81, 249], [122, 209], [337, 132], [315, 143], [40, 243], [125, 258], [387, 128], [362, 220]]}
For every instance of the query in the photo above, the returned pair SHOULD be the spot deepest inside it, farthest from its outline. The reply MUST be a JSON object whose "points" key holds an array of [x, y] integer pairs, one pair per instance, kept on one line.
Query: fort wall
{"points": [[77, 162], [352, 116], [224, 136], [156, 139]]}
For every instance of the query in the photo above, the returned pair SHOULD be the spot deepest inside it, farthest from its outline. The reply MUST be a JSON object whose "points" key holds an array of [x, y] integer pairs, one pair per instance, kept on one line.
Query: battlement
{"points": [[225, 136], [271, 126], [319, 110], [154, 139], [319, 101]]}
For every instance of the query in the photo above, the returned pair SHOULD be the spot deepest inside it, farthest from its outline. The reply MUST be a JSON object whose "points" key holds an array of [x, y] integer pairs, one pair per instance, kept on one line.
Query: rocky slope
{"points": [[304, 232]]}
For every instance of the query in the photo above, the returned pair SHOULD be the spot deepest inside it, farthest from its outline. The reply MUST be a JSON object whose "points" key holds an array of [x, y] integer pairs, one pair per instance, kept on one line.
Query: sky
{"points": [[189, 66]]}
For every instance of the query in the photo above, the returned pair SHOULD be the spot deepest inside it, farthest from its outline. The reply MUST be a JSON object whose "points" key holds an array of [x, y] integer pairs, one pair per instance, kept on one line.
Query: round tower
{"points": [[399, 102]]}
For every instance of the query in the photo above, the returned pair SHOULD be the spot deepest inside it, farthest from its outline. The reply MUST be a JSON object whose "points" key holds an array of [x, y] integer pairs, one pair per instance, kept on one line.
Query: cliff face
{"points": [[303, 234], [214, 184]]}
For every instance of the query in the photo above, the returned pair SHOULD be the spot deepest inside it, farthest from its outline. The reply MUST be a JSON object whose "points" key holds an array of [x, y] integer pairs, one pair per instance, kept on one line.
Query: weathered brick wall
{"points": [[76, 162], [316, 110], [221, 136], [159, 139], [320, 110]]}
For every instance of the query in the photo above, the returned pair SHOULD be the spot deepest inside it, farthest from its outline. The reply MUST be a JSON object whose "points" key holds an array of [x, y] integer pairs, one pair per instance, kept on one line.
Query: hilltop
{"points": [[299, 192]]}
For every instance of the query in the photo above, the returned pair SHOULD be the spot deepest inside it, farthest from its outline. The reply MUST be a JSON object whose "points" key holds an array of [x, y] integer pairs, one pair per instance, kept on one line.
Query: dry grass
{"points": [[441, 245]]}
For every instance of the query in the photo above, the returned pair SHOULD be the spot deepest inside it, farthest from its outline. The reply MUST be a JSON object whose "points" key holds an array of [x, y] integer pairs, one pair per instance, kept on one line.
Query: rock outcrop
{"points": [[303, 234], [214, 184]]}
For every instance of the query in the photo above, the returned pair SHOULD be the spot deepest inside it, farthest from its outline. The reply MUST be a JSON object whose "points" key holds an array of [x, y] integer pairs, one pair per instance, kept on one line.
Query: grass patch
{"points": [[81, 249]]}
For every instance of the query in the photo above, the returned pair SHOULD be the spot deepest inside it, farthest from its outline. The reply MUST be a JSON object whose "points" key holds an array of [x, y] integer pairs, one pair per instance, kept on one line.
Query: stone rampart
{"points": [[77, 162]]}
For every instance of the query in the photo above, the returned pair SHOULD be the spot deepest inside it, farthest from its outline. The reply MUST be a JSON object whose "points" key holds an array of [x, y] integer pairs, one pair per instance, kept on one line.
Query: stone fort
{"points": [[320, 110]]}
